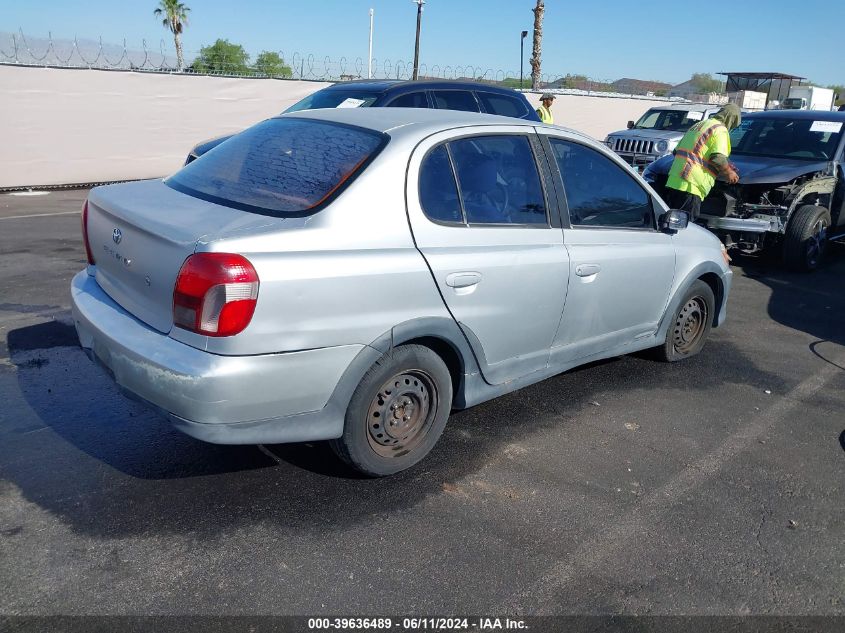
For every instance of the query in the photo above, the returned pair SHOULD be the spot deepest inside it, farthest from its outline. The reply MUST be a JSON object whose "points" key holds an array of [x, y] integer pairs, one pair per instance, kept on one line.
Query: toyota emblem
{"points": [[116, 235]]}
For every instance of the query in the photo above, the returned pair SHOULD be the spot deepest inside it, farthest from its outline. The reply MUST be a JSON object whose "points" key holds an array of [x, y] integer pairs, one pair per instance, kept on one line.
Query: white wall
{"points": [[596, 116], [62, 126], [66, 126]]}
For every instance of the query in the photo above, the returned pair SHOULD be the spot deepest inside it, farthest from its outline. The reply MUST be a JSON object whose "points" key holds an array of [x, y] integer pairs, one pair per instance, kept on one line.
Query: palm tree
{"points": [[175, 18], [538, 43]]}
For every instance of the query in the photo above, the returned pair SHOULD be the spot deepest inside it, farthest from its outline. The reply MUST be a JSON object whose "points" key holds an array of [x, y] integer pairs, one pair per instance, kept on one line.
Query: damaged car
{"points": [[791, 191]]}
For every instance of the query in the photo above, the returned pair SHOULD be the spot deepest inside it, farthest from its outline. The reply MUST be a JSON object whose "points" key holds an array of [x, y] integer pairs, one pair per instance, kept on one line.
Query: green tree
{"points": [[839, 90], [272, 64], [222, 57], [705, 83], [175, 18]]}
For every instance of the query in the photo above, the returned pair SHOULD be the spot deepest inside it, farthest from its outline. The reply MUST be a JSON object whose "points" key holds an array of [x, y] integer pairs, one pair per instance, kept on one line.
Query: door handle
{"points": [[462, 280], [586, 270]]}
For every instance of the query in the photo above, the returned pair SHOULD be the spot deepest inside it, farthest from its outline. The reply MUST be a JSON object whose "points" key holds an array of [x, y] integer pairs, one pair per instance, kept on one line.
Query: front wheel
{"points": [[691, 324], [805, 241], [397, 413]]}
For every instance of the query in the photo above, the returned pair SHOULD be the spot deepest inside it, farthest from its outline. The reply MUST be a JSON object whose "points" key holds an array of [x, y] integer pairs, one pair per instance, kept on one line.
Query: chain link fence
{"points": [[20, 49]]}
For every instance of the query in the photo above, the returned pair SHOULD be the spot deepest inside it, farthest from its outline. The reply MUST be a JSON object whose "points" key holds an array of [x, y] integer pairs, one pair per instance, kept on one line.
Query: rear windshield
{"points": [[328, 98], [282, 167]]}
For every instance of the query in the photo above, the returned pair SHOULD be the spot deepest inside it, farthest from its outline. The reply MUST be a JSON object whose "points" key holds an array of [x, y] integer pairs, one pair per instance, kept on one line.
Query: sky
{"points": [[603, 39]]}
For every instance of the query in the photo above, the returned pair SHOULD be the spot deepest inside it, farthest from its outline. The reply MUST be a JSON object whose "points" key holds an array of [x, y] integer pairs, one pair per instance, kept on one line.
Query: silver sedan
{"points": [[354, 275]]}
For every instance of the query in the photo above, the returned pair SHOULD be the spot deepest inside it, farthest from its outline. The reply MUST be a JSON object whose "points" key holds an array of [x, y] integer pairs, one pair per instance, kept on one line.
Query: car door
{"points": [[621, 266], [479, 214]]}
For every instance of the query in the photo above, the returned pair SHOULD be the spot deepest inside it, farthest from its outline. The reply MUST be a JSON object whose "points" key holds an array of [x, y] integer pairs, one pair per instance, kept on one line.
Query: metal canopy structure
{"points": [[775, 85]]}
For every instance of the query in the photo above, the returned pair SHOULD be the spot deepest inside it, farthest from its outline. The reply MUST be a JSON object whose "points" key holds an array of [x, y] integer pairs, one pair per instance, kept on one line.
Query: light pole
{"points": [[370, 56], [521, 56], [419, 4]]}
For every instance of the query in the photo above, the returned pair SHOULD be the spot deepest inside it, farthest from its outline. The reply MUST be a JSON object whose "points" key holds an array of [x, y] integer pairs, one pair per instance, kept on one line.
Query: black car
{"points": [[791, 189], [467, 96]]}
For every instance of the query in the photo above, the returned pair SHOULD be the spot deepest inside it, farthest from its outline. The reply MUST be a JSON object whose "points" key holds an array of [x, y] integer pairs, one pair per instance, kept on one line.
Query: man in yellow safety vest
{"points": [[701, 157], [545, 110]]}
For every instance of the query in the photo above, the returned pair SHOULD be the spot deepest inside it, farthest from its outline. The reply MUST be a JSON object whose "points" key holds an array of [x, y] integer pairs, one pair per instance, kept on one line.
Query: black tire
{"points": [[690, 325], [805, 241], [397, 412]]}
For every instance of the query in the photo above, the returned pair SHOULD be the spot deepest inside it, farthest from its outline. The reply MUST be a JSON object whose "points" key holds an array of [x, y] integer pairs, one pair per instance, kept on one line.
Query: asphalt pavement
{"points": [[711, 486]]}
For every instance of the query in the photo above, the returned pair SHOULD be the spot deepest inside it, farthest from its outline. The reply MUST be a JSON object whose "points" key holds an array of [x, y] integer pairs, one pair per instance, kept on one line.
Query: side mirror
{"points": [[631, 125], [674, 220]]}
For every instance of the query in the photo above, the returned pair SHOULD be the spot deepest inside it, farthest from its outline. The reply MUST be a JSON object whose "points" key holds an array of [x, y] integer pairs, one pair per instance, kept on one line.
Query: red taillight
{"points": [[85, 233], [215, 294]]}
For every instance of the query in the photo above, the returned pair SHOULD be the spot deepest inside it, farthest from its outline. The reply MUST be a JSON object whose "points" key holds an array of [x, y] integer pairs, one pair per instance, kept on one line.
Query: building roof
{"points": [[762, 75]]}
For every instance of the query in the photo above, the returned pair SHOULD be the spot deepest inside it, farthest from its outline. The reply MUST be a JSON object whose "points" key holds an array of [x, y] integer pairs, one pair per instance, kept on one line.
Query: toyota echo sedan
{"points": [[354, 275]]}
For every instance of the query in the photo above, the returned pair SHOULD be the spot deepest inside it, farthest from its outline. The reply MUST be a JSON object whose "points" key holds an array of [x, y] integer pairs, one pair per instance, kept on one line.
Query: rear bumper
{"points": [[222, 399]]}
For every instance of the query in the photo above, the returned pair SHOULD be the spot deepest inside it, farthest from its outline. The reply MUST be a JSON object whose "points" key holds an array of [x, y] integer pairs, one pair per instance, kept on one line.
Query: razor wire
{"points": [[21, 50]]}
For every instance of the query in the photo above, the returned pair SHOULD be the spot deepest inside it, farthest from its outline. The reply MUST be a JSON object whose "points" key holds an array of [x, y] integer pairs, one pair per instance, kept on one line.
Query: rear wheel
{"points": [[805, 241], [691, 324], [397, 412]]}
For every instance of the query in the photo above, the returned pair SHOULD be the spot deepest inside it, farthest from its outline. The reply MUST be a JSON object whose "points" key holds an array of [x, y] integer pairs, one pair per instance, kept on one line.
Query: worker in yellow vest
{"points": [[545, 110], [701, 157]]}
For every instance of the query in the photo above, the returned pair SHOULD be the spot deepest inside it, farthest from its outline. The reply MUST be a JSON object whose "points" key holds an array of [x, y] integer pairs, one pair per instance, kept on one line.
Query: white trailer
{"points": [[809, 98], [748, 99]]}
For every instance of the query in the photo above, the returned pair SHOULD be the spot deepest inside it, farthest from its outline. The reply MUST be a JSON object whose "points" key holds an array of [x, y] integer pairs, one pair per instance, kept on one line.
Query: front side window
{"points": [[455, 100], [410, 100], [598, 191], [282, 166]]}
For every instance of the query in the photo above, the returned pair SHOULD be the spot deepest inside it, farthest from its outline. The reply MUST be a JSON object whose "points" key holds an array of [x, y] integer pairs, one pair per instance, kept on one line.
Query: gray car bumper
{"points": [[221, 399]]}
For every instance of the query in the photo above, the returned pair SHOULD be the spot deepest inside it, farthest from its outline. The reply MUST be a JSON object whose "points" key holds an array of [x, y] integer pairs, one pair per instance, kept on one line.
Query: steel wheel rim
{"points": [[401, 413], [817, 243], [690, 324]]}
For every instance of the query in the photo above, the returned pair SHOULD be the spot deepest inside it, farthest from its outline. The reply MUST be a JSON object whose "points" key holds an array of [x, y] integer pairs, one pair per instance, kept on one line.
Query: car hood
{"points": [[761, 170], [652, 135], [755, 170]]}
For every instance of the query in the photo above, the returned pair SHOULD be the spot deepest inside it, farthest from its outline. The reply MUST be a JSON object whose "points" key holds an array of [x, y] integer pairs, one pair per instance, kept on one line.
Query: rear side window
{"points": [[280, 167], [598, 191], [497, 177], [411, 100], [438, 192], [504, 105], [455, 100]]}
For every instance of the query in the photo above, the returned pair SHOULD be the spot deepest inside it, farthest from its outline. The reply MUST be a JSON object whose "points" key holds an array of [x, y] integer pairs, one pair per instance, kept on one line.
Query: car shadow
{"points": [[108, 466], [813, 303]]}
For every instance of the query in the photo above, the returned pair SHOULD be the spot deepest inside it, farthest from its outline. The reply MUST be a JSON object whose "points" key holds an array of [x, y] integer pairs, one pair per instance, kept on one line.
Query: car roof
{"points": [[417, 119], [800, 115], [401, 86]]}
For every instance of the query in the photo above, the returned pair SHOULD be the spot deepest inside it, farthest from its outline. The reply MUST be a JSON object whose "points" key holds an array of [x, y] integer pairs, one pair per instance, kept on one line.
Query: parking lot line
{"points": [[607, 544], [39, 215]]}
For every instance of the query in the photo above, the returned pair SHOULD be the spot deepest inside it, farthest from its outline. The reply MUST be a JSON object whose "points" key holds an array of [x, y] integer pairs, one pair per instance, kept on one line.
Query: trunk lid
{"points": [[141, 233]]}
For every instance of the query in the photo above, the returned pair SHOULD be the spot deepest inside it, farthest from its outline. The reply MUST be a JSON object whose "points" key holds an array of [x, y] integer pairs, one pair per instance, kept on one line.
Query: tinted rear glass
{"points": [[455, 100], [283, 166], [504, 105], [328, 98]]}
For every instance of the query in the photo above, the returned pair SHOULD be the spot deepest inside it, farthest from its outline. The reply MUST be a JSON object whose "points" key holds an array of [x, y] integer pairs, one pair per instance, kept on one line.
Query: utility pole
{"points": [[419, 4], [521, 56], [370, 55]]}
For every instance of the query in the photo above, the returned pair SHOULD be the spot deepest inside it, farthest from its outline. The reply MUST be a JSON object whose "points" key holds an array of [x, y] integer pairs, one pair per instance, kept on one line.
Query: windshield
{"points": [[329, 98], [669, 120], [801, 139], [280, 167]]}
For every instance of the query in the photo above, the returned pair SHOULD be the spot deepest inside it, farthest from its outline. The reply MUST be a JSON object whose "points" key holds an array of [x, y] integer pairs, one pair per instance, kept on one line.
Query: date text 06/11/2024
{"points": [[417, 624]]}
